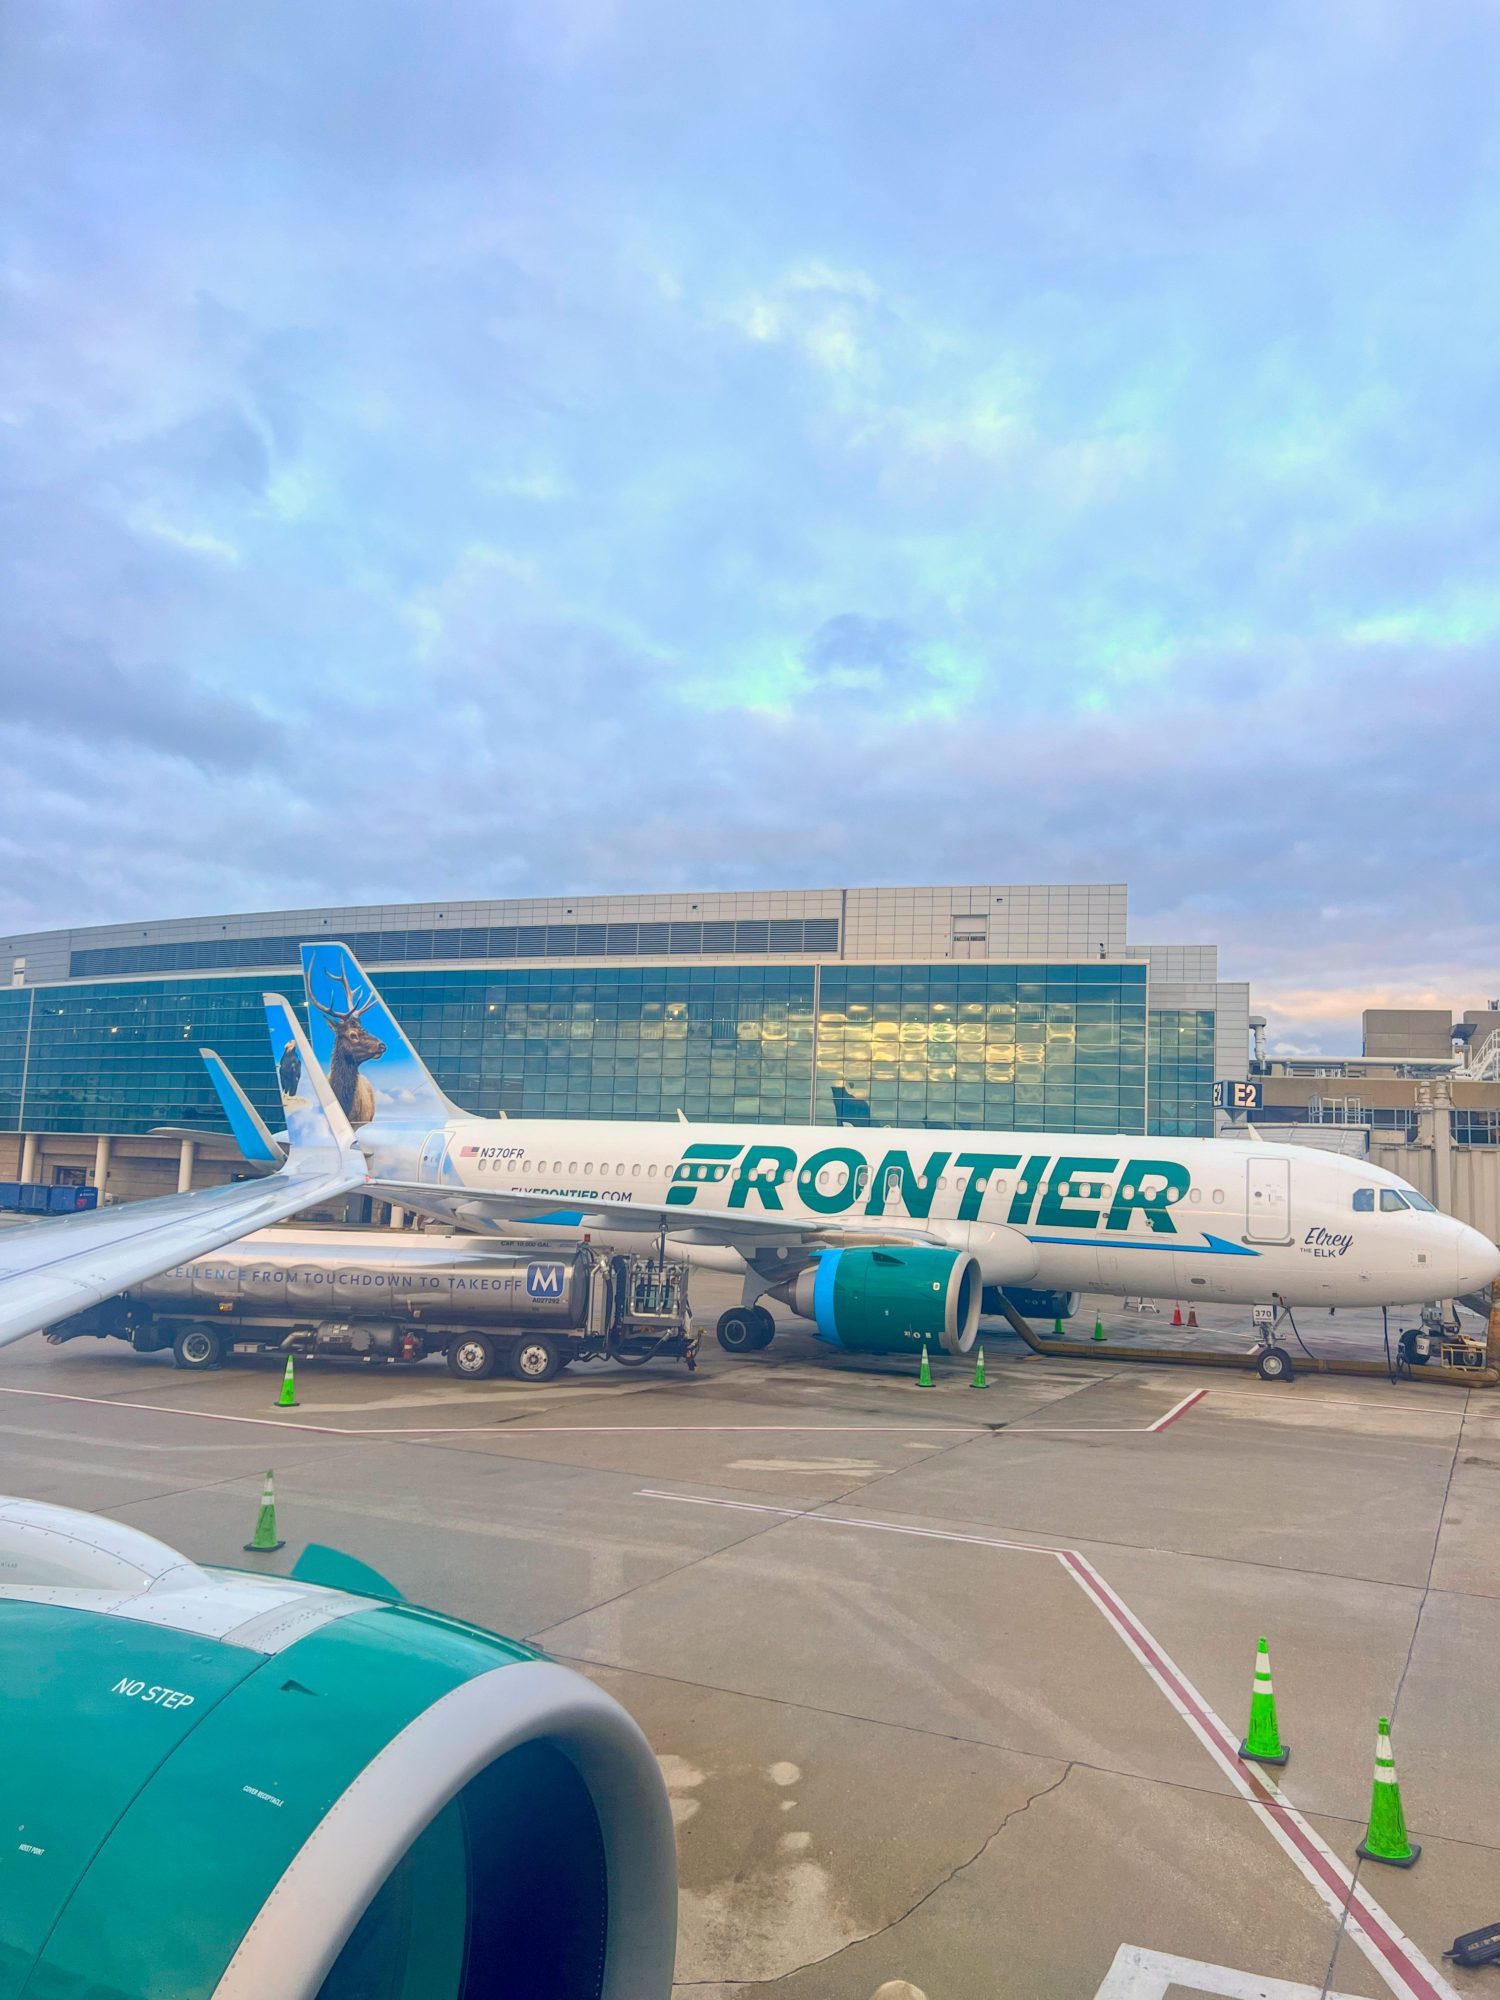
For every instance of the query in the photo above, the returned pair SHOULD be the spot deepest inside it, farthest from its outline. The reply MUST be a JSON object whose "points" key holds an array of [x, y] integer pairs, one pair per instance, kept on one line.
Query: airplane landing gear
{"points": [[746, 1329], [1274, 1365]]}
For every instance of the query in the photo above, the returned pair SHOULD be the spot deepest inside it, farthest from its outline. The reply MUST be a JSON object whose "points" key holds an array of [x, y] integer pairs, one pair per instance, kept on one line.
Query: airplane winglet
{"points": [[315, 1124], [251, 1133]]}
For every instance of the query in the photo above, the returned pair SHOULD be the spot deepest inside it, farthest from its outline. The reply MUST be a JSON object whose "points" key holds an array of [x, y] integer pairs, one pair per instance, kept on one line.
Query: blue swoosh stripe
{"points": [[1214, 1246], [565, 1218]]}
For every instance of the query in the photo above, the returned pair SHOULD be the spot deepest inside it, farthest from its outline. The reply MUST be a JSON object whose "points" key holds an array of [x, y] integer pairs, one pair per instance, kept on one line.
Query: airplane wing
{"points": [[479, 1208], [49, 1270]]}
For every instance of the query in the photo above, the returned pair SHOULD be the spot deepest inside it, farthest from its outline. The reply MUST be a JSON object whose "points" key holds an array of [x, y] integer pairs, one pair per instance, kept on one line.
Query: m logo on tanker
{"points": [[1051, 1191]]}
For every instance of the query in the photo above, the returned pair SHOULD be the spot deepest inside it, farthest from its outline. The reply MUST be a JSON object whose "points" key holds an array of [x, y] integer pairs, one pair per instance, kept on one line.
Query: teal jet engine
{"points": [[220, 1786]]}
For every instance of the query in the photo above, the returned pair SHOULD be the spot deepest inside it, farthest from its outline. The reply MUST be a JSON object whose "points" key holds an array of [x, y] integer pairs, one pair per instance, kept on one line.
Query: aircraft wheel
{"points": [[765, 1326], [197, 1347], [537, 1358], [471, 1356], [1274, 1365], [739, 1327]]}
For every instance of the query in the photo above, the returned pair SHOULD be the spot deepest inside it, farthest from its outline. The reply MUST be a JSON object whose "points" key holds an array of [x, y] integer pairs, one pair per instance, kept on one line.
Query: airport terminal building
{"points": [[991, 1005]]}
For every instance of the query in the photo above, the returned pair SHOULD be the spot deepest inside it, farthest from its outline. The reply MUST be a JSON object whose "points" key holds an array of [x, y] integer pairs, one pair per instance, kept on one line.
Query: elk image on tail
{"points": [[353, 1044]]}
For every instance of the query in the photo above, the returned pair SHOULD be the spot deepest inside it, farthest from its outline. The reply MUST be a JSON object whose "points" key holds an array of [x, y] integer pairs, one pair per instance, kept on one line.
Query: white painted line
{"points": [[1138, 1974], [513, 1428], [1400, 1963], [519, 1427]]}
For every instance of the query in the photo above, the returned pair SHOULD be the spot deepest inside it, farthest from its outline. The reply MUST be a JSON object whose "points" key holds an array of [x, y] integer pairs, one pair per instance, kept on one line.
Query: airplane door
{"points": [[1268, 1201], [431, 1170]]}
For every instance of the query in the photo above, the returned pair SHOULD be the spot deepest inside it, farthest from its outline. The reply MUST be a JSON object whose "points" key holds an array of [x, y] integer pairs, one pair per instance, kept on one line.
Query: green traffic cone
{"points": [[979, 1381], [1098, 1326], [1263, 1744], [1057, 1328], [1385, 1839], [287, 1400], [264, 1539], [924, 1373]]}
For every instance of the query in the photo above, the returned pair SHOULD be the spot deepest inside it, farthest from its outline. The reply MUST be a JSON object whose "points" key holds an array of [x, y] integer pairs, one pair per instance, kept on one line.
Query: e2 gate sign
{"points": [[1238, 1096]]}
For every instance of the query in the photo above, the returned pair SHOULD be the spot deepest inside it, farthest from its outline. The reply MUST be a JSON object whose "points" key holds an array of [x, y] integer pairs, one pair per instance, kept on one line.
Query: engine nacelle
{"points": [[1031, 1304], [225, 1787], [890, 1299]]}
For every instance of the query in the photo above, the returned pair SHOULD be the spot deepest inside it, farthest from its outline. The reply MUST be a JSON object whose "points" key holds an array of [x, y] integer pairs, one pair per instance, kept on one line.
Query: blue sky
{"points": [[571, 445]]}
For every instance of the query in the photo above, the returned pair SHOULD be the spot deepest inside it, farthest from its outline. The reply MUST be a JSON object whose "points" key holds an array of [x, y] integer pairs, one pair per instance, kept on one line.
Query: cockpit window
{"points": [[1390, 1201], [1415, 1200], [1364, 1200]]}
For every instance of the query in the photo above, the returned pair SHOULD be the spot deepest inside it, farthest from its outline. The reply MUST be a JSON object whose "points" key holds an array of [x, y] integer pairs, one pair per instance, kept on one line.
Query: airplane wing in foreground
{"points": [[49, 1270]]}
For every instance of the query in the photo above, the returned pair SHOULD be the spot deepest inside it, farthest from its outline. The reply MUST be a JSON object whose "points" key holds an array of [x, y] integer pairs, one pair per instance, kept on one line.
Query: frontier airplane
{"points": [[882, 1238]]}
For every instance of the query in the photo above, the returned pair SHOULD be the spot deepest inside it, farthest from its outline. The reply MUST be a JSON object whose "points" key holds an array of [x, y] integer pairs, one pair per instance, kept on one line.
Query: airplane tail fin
{"points": [[318, 1133], [250, 1130], [376, 1074]]}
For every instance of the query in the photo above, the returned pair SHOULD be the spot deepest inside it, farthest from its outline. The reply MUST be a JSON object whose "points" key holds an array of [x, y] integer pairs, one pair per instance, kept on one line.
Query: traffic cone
{"points": [[1177, 1315], [1057, 1330], [287, 1400], [1263, 1744], [1385, 1839], [979, 1381], [1192, 1315], [924, 1373], [264, 1541], [1098, 1326]]}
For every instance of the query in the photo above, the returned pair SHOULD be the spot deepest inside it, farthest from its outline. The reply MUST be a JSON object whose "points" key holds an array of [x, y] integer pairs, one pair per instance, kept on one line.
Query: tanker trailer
{"points": [[531, 1309], [220, 1786]]}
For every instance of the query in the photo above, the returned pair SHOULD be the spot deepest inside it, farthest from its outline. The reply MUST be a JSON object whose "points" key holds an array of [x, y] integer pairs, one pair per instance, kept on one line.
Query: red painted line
{"points": [[1179, 1410], [1389, 1948], [1399, 1962]]}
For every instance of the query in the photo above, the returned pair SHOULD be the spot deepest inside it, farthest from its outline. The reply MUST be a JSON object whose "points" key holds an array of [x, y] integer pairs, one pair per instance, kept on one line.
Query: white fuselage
{"points": [[1195, 1219]]}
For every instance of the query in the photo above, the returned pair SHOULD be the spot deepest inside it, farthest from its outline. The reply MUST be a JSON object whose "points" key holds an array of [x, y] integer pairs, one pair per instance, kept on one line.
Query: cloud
{"points": [[595, 448]]}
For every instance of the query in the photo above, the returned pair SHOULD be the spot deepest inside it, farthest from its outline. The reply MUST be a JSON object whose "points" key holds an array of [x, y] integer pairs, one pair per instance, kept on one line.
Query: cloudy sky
{"points": [[601, 444]]}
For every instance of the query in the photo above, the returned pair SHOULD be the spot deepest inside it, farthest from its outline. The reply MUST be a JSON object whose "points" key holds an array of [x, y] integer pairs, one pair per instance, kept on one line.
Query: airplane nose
{"points": [[1478, 1262]]}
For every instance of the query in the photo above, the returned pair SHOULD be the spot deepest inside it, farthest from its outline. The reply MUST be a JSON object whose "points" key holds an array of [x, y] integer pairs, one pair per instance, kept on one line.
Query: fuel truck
{"points": [[528, 1309]]}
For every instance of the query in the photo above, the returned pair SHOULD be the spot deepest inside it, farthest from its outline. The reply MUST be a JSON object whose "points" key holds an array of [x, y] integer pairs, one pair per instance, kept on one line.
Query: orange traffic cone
{"points": [[1192, 1315], [1177, 1315]]}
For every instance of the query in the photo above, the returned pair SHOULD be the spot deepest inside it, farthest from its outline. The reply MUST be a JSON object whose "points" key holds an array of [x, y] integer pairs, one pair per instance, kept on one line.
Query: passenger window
{"points": [[588, 1166], [636, 1168], [1364, 1201], [652, 1171], [1195, 1194], [1390, 1201], [1218, 1197]]}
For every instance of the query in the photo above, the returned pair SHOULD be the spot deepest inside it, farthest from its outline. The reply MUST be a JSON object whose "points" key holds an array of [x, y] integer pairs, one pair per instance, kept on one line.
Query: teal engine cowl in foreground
{"points": [[218, 1786]]}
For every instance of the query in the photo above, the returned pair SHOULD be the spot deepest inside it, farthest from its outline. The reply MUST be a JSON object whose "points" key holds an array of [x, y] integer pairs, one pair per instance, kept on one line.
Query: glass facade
{"points": [[1020, 1047], [1063, 1047], [711, 939], [1182, 1072]]}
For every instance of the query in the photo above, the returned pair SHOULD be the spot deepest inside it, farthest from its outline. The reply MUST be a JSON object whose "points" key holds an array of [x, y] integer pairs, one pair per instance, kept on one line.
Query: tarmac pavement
{"points": [[907, 1738]]}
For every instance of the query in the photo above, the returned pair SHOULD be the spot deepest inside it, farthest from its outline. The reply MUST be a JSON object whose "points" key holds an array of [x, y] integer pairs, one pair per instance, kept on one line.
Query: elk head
{"points": [[353, 1043]]}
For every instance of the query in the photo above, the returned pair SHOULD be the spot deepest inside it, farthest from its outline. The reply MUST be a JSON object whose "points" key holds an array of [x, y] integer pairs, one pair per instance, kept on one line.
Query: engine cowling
{"points": [[231, 1786], [891, 1299]]}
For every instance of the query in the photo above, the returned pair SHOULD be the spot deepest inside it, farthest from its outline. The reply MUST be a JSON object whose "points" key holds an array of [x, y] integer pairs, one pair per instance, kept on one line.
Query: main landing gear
{"points": [[744, 1329]]}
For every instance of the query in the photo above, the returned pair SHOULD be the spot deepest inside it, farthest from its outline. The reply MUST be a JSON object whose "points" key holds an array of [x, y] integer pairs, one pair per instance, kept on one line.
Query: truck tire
{"points": [[535, 1358], [197, 1347], [471, 1356]]}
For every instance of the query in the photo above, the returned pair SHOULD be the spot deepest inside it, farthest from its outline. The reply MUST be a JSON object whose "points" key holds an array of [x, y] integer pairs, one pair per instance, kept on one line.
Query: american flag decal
{"points": [[467, 1152]]}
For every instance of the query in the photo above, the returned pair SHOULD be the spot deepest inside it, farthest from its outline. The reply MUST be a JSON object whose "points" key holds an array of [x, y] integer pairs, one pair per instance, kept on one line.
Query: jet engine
{"points": [[224, 1787], [890, 1299]]}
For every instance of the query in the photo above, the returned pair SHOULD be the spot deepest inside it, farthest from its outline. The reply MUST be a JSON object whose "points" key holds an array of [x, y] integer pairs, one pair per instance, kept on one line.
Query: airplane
{"points": [[886, 1237], [49, 1270]]}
